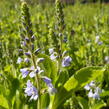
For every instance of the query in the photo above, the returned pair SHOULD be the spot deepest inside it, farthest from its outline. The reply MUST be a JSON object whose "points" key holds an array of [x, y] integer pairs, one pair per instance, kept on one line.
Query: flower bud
{"points": [[37, 51], [32, 38]]}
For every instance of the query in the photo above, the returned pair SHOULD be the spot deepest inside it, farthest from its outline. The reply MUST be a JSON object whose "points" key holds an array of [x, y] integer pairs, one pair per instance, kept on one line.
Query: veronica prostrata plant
{"points": [[65, 86], [34, 90]]}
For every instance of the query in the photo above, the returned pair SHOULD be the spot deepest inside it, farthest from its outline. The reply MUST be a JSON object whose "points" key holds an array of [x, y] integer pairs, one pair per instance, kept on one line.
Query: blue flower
{"points": [[94, 94], [19, 60], [31, 91], [26, 60], [53, 56], [25, 72], [48, 82], [32, 74], [40, 60], [51, 50], [28, 53], [66, 61]]}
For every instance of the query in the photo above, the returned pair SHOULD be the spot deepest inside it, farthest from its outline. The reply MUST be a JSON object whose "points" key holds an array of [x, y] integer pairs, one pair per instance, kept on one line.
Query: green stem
{"points": [[38, 84]]}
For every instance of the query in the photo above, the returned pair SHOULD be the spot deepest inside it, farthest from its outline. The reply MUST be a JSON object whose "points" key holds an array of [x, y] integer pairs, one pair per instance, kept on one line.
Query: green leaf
{"points": [[98, 105], [77, 81], [105, 93], [63, 77], [1, 107], [3, 102], [83, 103], [45, 101], [50, 67], [83, 77]]}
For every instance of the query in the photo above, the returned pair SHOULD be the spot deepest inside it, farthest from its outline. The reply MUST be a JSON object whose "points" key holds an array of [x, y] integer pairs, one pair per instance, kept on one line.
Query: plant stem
{"points": [[38, 83]]}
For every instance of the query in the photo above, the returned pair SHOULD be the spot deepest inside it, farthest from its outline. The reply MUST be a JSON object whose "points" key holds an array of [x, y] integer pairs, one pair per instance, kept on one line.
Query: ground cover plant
{"points": [[54, 56]]}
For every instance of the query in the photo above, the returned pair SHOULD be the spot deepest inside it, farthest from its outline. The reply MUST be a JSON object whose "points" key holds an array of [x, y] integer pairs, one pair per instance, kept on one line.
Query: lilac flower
{"points": [[100, 43], [20, 50], [26, 60], [95, 94], [51, 50], [40, 60], [30, 90], [32, 74], [23, 44], [66, 61], [53, 56], [28, 53], [35, 71], [48, 81], [90, 85], [87, 87], [32, 68], [25, 72], [19, 60], [90, 94], [38, 70]]}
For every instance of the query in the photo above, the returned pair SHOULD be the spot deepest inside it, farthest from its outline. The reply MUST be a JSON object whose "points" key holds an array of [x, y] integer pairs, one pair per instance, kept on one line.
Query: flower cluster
{"points": [[93, 91], [34, 71], [31, 91], [19, 60], [66, 59]]}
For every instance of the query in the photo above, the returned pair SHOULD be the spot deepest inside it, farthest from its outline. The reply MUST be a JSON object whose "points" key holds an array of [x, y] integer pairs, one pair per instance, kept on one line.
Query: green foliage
{"points": [[83, 24], [76, 82]]}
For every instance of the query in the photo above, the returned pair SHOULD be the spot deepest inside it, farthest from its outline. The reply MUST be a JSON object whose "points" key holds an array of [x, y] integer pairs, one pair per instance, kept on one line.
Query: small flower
{"points": [[107, 59], [51, 50], [32, 74], [40, 60], [95, 93], [25, 72], [23, 44], [87, 87], [19, 60], [20, 50], [35, 71], [30, 90], [100, 43], [66, 61], [90, 94], [48, 81], [53, 56], [32, 68], [26, 60], [92, 84], [28, 53], [97, 39], [38, 70]]}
